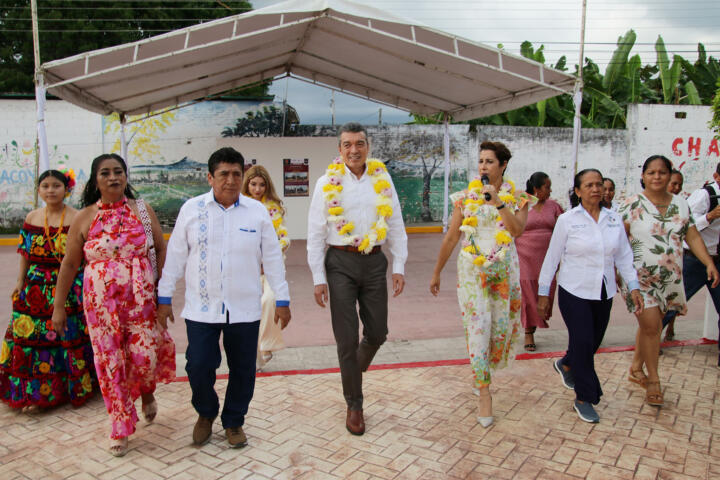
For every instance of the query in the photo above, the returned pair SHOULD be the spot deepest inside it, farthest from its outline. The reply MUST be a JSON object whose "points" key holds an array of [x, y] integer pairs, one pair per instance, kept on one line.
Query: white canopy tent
{"points": [[337, 44]]}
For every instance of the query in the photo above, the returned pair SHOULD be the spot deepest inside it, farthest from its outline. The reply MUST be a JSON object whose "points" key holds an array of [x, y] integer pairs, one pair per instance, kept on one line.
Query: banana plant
{"points": [[669, 74]]}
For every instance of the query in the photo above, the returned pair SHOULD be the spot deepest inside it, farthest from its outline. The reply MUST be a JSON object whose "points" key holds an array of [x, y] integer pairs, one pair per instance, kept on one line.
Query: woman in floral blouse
{"points": [[657, 223], [258, 185]]}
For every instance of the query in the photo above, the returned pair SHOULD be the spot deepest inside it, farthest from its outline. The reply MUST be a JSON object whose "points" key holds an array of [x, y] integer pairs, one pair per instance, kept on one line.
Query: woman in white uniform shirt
{"points": [[588, 243]]}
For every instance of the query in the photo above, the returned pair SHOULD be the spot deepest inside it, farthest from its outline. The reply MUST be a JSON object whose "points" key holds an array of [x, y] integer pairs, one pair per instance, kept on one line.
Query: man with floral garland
{"points": [[354, 211]]}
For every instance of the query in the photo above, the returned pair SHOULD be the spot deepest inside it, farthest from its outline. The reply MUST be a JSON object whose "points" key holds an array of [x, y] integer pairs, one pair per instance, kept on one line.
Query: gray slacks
{"points": [[357, 283]]}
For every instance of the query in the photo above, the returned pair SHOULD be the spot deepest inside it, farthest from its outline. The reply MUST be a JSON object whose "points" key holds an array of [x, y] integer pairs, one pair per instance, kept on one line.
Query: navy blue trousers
{"points": [[203, 359], [694, 278], [586, 322]]}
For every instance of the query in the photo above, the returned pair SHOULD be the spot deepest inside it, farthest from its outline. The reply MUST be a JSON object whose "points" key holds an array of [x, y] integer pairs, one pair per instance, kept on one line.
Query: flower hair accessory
{"points": [[70, 176]]}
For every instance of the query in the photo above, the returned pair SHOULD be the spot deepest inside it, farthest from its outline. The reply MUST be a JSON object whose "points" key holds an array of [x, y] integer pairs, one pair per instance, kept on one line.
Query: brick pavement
{"points": [[420, 425]]}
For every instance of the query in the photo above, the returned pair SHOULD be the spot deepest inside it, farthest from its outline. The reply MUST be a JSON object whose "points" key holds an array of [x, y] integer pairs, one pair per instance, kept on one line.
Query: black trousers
{"points": [[586, 322], [203, 358], [357, 285]]}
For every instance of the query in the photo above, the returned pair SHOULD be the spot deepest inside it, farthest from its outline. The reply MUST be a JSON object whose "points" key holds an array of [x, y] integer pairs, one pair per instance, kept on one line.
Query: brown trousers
{"points": [[357, 285]]}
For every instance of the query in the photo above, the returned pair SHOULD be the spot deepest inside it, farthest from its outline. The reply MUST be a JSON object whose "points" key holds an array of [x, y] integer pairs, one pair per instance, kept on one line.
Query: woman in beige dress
{"points": [[258, 186]]}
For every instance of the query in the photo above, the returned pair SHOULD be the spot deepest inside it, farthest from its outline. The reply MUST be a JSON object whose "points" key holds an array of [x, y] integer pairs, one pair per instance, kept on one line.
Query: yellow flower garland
{"points": [[473, 200], [275, 212], [332, 194]]}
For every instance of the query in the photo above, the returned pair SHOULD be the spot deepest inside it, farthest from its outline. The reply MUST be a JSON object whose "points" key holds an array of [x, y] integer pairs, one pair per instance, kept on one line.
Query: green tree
{"points": [[266, 122], [715, 121], [71, 27]]}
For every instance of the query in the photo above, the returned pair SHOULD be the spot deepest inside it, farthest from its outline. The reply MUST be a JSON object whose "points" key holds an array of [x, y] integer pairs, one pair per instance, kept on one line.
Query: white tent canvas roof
{"points": [[335, 43]]}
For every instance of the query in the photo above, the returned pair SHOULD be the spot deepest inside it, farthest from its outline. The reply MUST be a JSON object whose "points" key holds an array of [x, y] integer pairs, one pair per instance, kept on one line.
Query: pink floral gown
{"points": [[131, 353]]}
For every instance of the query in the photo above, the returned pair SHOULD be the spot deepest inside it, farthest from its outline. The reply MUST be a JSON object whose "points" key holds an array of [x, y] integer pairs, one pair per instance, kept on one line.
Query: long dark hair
{"points": [[536, 181], [574, 199], [91, 194]]}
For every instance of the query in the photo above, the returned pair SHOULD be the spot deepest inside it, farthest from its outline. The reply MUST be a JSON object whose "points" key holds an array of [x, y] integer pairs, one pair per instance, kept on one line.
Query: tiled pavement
{"points": [[420, 424]]}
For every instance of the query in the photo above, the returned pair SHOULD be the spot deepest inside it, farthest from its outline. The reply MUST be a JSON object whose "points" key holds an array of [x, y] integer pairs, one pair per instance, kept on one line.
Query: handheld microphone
{"points": [[485, 181]]}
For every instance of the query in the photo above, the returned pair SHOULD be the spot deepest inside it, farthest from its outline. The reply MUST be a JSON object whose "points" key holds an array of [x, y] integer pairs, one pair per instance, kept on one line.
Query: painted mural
{"points": [[415, 159], [17, 180]]}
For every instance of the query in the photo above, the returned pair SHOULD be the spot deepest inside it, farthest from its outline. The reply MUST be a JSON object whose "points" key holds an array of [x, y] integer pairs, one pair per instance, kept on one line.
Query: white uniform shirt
{"points": [[359, 202], [220, 252], [588, 253], [699, 203]]}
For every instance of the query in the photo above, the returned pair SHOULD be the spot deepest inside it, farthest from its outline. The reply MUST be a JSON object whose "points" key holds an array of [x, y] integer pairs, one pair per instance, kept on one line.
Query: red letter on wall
{"points": [[713, 148], [693, 146], [676, 150]]}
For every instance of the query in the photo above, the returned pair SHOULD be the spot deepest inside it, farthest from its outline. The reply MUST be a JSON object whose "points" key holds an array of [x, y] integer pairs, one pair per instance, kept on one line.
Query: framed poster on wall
{"points": [[296, 177]]}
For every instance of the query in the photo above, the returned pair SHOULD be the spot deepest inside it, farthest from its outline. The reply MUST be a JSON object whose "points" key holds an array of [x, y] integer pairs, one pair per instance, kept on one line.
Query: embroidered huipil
{"points": [[590, 252], [220, 251], [359, 202]]}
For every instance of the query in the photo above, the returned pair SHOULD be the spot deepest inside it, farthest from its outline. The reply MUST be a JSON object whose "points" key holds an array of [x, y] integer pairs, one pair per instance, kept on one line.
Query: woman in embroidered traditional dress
{"points": [[657, 223], [132, 352], [258, 185], [531, 247], [40, 368], [489, 216]]}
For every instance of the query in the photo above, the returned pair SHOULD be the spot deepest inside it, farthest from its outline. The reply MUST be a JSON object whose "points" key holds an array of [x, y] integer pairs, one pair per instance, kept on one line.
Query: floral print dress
{"points": [[131, 353], [489, 298], [657, 244], [38, 366]]}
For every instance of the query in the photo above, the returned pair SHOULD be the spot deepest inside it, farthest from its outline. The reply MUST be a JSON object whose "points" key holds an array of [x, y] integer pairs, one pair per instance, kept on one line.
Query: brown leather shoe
{"points": [[236, 437], [355, 423], [202, 430]]}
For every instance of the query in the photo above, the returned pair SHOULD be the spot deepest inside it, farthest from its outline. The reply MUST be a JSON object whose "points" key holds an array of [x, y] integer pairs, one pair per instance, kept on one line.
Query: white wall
{"points": [[688, 142], [270, 152], [77, 136]]}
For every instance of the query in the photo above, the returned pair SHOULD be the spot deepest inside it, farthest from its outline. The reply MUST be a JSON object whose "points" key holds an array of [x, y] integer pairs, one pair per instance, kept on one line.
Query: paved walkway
{"points": [[421, 420], [420, 425]]}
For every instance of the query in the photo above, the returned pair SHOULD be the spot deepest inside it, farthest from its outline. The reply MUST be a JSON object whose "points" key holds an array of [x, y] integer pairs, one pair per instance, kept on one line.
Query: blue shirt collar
{"points": [[236, 204]]}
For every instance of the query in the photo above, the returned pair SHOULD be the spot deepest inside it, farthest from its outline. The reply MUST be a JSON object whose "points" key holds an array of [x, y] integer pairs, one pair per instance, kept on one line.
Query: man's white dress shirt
{"points": [[699, 203], [359, 202], [588, 253], [220, 252]]}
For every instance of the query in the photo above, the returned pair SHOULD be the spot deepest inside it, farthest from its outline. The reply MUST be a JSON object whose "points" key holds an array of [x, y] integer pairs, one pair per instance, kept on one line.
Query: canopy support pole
{"points": [[577, 95], [446, 187], [42, 157], [123, 143]]}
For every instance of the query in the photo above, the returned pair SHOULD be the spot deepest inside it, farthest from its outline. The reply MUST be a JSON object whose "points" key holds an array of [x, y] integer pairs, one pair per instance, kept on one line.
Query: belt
{"points": [[348, 248]]}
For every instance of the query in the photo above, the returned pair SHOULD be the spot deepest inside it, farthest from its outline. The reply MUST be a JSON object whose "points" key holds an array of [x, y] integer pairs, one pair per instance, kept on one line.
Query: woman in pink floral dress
{"points": [[132, 352]]}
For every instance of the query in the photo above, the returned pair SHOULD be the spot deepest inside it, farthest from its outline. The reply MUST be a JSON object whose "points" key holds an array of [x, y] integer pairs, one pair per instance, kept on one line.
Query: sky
{"points": [[555, 24]]}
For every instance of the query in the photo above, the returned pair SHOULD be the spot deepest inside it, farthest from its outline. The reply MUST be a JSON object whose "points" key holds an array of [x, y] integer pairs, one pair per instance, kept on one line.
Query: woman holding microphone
{"points": [[588, 243]]}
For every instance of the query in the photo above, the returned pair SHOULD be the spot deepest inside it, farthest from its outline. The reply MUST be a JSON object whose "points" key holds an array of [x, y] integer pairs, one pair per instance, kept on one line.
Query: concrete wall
{"points": [[168, 154], [681, 133]]}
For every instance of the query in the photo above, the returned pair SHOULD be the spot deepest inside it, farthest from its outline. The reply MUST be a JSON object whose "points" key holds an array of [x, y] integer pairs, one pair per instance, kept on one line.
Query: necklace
{"points": [[473, 200], [50, 239], [332, 193]]}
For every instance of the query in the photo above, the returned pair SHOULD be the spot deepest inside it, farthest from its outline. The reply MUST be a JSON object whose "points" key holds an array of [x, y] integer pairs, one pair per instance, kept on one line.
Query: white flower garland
{"points": [[332, 194]]}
